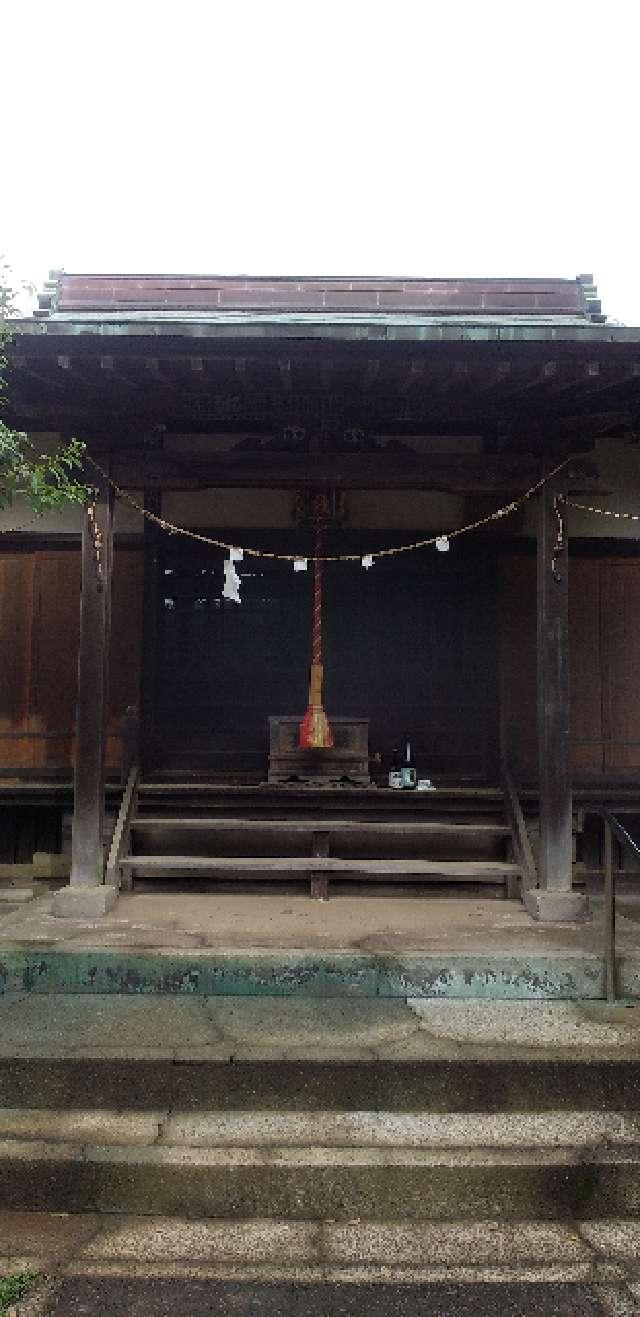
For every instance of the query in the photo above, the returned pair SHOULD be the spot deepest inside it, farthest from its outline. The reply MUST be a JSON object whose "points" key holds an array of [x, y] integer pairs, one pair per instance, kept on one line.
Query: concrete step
{"points": [[272, 1250], [376, 1181], [230, 1082], [260, 1129]]}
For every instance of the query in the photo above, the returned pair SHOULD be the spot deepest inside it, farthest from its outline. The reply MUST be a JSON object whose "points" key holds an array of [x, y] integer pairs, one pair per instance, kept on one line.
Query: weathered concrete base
{"points": [[17, 893], [287, 973], [285, 945], [82, 901], [43, 865], [556, 907]]}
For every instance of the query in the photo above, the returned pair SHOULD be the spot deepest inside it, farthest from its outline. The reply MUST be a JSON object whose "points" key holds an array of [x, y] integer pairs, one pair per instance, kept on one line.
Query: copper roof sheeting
{"points": [[211, 295]]}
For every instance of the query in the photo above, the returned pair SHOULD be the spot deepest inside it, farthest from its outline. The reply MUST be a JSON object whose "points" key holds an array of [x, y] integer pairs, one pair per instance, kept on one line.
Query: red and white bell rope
{"points": [[315, 730]]}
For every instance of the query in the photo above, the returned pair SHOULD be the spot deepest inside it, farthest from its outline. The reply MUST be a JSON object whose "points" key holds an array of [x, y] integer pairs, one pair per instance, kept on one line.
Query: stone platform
{"points": [[384, 945]]}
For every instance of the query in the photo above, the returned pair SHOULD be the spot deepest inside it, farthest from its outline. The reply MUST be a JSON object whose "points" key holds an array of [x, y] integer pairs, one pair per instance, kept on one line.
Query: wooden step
{"points": [[390, 828], [490, 871], [294, 797]]}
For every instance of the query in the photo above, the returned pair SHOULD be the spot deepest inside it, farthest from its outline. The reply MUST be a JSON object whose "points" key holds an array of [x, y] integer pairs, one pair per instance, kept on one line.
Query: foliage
{"points": [[14, 1287], [44, 479]]}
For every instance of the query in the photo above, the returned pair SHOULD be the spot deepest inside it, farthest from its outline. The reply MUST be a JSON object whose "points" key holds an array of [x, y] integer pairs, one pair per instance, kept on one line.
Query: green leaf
{"points": [[45, 480]]}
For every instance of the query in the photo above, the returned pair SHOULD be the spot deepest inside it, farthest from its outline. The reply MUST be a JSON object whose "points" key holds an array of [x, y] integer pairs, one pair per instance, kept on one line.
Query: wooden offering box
{"points": [[349, 757]]}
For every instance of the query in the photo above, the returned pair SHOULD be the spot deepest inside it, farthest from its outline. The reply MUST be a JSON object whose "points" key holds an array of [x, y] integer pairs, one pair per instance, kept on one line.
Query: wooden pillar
{"points": [[87, 894], [553, 899], [553, 694]]}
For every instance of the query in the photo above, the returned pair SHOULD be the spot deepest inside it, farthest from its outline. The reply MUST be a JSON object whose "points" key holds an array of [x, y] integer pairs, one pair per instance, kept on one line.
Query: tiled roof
{"points": [[209, 295]]}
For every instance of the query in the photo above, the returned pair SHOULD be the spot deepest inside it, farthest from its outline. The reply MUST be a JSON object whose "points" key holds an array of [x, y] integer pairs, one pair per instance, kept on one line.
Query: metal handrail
{"points": [[612, 828]]}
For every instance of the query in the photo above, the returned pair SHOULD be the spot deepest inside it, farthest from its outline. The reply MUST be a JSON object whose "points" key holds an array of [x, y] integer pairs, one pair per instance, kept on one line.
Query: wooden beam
{"points": [[370, 374], [523, 383], [488, 473], [495, 378], [87, 860], [416, 374], [284, 367]]}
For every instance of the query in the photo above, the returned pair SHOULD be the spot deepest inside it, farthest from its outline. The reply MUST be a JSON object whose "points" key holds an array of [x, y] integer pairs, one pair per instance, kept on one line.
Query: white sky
{"points": [[314, 137]]}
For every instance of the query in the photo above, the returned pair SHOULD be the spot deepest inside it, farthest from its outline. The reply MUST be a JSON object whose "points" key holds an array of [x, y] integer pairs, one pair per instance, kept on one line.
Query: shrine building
{"points": [[409, 486]]}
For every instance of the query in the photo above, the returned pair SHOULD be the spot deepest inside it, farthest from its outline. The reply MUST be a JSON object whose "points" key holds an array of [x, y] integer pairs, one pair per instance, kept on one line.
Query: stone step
{"points": [[230, 1082], [271, 1249], [375, 1183], [260, 1129]]}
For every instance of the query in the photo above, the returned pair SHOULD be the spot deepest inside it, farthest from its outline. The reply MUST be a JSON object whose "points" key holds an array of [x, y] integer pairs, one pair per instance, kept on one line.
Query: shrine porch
{"points": [[367, 942]]}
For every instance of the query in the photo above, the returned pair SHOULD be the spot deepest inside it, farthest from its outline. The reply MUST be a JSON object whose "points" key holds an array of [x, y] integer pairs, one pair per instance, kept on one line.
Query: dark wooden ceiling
{"points": [[301, 406]]}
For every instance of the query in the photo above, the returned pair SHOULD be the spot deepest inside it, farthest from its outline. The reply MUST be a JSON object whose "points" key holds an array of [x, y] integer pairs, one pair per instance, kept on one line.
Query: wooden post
{"points": [[609, 914], [320, 845], [87, 893], [553, 899]]}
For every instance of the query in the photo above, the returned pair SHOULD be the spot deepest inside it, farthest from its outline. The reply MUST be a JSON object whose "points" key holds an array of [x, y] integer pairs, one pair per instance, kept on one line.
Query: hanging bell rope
{"points": [[315, 730]]}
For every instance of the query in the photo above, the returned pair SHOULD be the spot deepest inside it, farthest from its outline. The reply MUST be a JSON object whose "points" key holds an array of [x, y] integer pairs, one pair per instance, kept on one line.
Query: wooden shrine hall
{"points": [[156, 649]]}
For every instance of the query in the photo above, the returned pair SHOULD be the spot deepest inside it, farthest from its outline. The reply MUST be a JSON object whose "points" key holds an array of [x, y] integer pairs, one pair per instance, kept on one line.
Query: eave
{"points": [[379, 328]]}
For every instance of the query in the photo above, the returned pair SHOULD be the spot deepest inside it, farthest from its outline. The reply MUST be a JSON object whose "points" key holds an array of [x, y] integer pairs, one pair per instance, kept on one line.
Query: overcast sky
{"points": [[314, 137]]}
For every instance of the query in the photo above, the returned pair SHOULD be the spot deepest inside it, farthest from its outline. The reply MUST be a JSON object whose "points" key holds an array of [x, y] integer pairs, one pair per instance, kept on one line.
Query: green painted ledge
{"points": [[289, 973]]}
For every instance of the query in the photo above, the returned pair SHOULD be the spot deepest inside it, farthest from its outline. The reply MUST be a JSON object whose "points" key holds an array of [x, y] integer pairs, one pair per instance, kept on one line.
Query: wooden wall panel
{"points": [[39, 631], [16, 613], [620, 632], [604, 656], [585, 667], [55, 656]]}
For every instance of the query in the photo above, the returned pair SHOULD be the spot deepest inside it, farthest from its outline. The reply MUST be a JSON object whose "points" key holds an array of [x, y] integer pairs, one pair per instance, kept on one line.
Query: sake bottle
{"points": [[395, 770], [409, 776]]}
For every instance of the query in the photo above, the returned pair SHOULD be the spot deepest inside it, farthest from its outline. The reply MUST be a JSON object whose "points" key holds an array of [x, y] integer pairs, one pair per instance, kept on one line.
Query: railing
{"points": [[122, 831], [522, 849], [130, 777], [612, 828], [130, 741]]}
